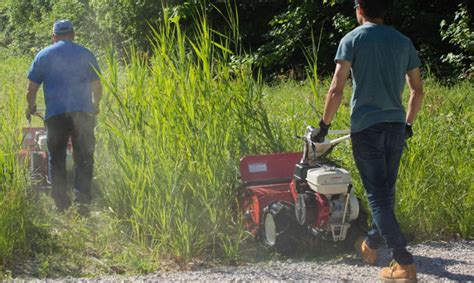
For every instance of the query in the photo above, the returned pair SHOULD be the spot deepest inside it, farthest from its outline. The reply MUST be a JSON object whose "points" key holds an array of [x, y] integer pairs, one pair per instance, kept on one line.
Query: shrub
{"points": [[461, 34]]}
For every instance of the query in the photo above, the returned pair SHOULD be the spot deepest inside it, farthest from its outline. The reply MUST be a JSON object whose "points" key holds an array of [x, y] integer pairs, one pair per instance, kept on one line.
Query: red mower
{"points": [[35, 154], [289, 195]]}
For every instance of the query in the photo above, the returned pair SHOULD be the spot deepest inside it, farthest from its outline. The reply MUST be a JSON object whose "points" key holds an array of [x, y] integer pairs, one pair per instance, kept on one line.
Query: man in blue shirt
{"points": [[379, 59], [72, 91]]}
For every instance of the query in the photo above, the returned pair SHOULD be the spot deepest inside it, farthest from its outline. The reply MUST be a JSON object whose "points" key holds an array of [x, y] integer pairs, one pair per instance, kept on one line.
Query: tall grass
{"points": [[14, 220], [176, 124], [436, 186], [22, 234]]}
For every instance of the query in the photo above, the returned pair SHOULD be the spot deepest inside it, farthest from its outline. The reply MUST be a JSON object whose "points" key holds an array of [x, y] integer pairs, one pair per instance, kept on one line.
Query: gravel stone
{"points": [[436, 261]]}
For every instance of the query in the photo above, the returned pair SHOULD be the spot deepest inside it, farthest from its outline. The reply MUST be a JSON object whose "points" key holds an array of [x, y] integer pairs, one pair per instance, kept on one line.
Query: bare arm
{"points": [[334, 96], [31, 95], [96, 93], [415, 84]]}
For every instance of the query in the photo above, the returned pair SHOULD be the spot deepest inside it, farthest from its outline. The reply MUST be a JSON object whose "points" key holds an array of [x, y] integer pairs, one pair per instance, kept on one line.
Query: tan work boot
{"points": [[398, 273], [368, 255]]}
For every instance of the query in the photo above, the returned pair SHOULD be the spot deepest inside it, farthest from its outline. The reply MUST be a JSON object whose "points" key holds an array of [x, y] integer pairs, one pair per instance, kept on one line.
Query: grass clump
{"points": [[436, 190], [14, 220], [175, 126]]}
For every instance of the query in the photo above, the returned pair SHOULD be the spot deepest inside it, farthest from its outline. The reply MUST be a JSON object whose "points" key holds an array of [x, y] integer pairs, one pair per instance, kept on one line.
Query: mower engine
{"points": [[35, 153], [324, 200], [42, 146], [335, 186]]}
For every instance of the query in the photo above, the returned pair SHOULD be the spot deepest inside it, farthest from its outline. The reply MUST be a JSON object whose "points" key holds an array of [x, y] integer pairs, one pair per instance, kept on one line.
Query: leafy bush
{"points": [[460, 33], [272, 33], [294, 29], [126, 23], [28, 24]]}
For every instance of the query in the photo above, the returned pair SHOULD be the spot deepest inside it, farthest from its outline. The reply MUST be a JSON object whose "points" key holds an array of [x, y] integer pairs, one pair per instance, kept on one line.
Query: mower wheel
{"points": [[279, 227]]}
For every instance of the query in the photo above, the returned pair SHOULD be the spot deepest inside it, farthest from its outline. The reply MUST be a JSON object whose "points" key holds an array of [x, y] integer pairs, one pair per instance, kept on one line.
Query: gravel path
{"points": [[436, 261]]}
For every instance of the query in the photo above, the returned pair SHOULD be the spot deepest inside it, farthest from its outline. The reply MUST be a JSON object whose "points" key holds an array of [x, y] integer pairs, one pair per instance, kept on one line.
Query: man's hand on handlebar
{"points": [[30, 110], [323, 131]]}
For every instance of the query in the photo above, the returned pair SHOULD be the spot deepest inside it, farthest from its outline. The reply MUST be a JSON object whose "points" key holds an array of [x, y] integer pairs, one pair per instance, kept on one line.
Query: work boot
{"points": [[399, 273], [368, 255]]}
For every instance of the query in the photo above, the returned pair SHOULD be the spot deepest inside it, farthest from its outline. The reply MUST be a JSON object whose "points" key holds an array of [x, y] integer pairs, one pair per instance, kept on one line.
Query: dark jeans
{"points": [[80, 127], [377, 152]]}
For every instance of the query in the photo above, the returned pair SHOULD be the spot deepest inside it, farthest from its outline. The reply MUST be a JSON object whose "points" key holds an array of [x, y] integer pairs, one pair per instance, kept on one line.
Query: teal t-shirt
{"points": [[381, 57]]}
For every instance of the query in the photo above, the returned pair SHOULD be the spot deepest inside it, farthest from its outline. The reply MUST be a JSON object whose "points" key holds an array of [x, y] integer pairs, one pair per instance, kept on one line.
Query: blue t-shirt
{"points": [[66, 71], [381, 57]]}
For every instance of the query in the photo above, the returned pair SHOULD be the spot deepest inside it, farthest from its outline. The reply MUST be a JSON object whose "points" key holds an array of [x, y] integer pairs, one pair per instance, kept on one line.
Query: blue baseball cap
{"points": [[62, 27]]}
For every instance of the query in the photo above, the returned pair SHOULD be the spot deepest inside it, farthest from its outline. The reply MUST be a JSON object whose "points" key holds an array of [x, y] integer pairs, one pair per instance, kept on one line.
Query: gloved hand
{"points": [[408, 131], [323, 131], [30, 111]]}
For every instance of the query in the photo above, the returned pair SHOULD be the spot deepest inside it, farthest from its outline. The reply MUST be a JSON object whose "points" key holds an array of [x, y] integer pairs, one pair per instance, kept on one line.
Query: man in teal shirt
{"points": [[380, 59]]}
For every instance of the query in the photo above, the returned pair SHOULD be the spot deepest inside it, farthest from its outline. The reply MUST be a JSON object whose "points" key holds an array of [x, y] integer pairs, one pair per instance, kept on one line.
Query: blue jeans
{"points": [[80, 127], [377, 152]]}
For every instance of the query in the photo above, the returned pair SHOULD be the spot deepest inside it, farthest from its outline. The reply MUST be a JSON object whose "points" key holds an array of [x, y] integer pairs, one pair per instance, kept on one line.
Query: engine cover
{"points": [[329, 180]]}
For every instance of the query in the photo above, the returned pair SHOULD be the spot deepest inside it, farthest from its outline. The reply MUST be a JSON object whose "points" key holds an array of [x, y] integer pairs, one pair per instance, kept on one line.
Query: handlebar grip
{"points": [[339, 132]]}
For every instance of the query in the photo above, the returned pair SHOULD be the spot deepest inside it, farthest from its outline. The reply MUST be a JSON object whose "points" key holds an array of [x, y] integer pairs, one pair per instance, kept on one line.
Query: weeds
{"points": [[176, 125], [14, 222]]}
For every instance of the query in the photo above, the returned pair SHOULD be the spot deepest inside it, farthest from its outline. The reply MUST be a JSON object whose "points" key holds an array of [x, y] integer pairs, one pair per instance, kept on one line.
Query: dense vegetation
{"points": [[181, 109], [271, 33]]}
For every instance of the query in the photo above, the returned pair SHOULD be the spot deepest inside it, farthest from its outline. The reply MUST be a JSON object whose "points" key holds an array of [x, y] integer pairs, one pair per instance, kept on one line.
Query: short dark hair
{"points": [[375, 8]]}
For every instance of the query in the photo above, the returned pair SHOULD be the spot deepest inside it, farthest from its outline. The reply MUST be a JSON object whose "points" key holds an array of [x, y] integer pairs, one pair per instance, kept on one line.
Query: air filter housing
{"points": [[329, 180]]}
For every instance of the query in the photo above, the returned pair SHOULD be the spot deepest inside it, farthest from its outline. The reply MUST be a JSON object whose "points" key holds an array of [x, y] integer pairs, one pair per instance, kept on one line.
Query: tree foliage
{"points": [[126, 22], [28, 23], [272, 33], [461, 34]]}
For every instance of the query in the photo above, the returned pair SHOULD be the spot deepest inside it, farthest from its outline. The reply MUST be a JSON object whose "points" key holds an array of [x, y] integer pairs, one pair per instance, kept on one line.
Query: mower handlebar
{"points": [[339, 132], [338, 140], [331, 132], [37, 114]]}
